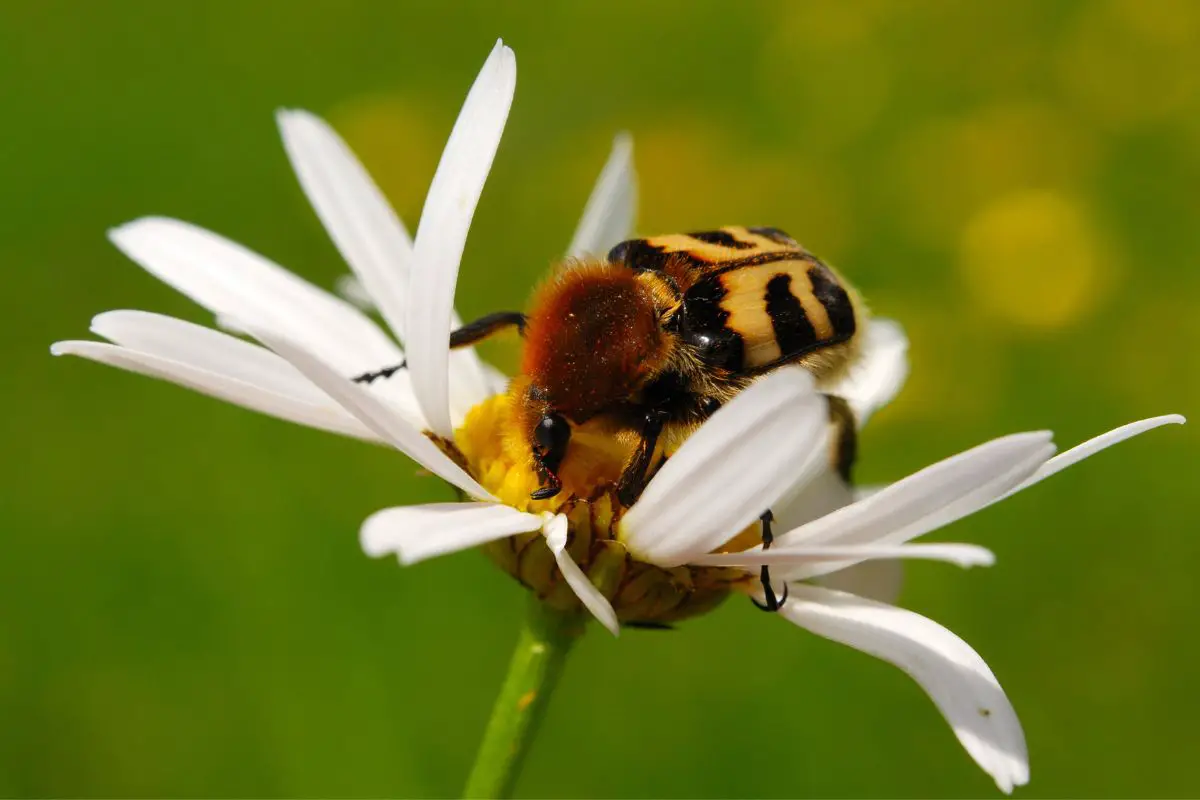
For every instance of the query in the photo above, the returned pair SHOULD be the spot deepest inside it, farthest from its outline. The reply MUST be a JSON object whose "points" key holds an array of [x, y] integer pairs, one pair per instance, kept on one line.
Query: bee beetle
{"points": [[657, 336], [649, 342]]}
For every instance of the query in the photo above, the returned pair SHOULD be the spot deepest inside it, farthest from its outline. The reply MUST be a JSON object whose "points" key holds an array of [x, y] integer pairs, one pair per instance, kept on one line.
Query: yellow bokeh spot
{"points": [[1033, 259], [946, 169]]}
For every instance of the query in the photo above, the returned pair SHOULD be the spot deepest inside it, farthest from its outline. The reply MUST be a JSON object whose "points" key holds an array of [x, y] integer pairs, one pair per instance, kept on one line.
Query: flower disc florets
{"points": [[490, 448]]}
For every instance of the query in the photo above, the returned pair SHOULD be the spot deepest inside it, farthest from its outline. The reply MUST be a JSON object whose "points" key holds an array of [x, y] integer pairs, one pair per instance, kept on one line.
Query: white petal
{"points": [[823, 493], [354, 212], [953, 675], [397, 388], [232, 281], [863, 492], [896, 503], [727, 473], [949, 487], [926, 500], [206, 349], [376, 414], [878, 374], [301, 409], [217, 352], [609, 215], [964, 555], [415, 533], [442, 233], [556, 539], [351, 289], [879, 580], [368, 234], [1095, 445]]}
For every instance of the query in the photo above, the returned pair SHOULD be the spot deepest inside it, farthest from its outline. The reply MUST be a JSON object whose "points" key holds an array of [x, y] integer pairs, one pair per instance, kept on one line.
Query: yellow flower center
{"points": [[498, 456]]}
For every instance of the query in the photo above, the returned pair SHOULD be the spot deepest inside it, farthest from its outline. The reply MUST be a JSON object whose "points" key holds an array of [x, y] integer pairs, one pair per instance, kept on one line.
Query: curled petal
{"points": [[556, 539], [953, 675]]}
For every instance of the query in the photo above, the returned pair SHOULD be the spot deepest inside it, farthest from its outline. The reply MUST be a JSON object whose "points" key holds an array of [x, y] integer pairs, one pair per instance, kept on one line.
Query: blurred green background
{"points": [[184, 608]]}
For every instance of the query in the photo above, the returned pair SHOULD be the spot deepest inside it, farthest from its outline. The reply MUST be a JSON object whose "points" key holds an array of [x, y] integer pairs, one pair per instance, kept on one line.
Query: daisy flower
{"points": [[694, 536]]}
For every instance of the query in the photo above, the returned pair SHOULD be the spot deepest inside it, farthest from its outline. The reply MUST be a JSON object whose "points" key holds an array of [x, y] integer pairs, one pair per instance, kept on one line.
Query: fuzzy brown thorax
{"points": [[593, 338]]}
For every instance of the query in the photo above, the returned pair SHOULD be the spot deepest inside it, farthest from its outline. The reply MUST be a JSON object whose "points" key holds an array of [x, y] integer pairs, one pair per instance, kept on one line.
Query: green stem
{"points": [[545, 639]]}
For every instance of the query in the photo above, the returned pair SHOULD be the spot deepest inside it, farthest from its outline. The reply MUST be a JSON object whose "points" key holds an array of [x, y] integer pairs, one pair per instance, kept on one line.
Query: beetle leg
{"points": [[633, 478], [472, 332], [773, 603]]}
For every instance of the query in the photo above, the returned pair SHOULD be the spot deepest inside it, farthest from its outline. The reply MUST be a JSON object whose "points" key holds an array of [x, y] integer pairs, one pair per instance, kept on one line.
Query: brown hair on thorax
{"points": [[592, 338]]}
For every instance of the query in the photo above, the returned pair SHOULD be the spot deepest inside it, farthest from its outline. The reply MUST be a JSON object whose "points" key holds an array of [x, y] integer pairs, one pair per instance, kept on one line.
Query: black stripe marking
{"points": [[639, 255], [703, 326], [758, 259], [721, 238], [775, 235], [703, 303], [834, 297], [845, 451], [793, 331]]}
